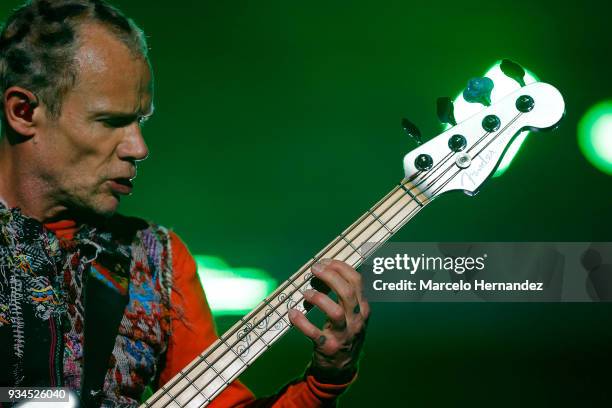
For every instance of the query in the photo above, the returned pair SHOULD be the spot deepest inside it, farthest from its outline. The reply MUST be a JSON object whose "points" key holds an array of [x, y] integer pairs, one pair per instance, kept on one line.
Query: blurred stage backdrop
{"points": [[277, 124]]}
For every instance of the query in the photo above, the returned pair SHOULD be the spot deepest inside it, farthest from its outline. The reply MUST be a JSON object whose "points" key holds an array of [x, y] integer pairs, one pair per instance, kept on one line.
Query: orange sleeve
{"points": [[195, 331]]}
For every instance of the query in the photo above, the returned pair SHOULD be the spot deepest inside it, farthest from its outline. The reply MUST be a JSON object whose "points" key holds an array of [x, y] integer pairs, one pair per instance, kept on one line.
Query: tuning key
{"points": [[479, 91], [423, 162], [513, 70], [412, 130], [446, 111]]}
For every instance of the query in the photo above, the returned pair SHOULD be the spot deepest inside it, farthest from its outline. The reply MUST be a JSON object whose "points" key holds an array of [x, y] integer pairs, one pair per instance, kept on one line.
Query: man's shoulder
{"points": [[127, 228], [130, 229]]}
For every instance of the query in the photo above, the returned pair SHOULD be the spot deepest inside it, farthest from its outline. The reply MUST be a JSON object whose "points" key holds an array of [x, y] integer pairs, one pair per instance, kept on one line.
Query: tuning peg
{"points": [[446, 110], [479, 91], [513, 70], [412, 131]]}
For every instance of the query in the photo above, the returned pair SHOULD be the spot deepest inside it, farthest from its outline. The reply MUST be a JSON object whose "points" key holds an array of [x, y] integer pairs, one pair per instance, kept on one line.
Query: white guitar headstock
{"points": [[467, 154]]}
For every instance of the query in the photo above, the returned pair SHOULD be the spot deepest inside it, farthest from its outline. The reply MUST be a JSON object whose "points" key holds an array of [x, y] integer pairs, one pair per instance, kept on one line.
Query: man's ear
{"points": [[19, 106]]}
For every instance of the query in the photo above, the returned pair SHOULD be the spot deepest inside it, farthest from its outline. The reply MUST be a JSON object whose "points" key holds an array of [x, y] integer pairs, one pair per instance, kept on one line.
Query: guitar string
{"points": [[258, 337], [399, 224], [430, 173], [435, 180], [295, 302], [479, 152], [338, 239], [467, 151], [475, 145], [426, 176], [274, 309], [266, 303], [335, 242], [495, 137]]}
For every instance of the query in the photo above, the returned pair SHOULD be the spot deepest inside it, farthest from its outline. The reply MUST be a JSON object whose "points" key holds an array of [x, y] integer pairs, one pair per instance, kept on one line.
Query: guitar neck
{"points": [[213, 370]]}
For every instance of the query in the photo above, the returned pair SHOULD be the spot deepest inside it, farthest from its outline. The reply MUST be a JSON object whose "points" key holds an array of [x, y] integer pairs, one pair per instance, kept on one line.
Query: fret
{"points": [[407, 191], [369, 230], [201, 380], [355, 257], [179, 395], [373, 214], [165, 396], [205, 384], [403, 206], [282, 325], [212, 368], [253, 337], [165, 401], [245, 343], [273, 324], [261, 345], [274, 336], [304, 280], [296, 299], [344, 252], [191, 397], [238, 355], [210, 377], [348, 241], [339, 250], [403, 215]]}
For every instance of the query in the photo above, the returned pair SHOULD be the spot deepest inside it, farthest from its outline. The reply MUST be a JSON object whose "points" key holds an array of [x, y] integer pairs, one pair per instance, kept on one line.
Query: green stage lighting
{"points": [[232, 291], [595, 136], [503, 86]]}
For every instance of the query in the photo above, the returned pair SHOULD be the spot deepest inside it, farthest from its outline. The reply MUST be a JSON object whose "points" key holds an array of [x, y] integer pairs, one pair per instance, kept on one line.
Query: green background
{"points": [[278, 123]]}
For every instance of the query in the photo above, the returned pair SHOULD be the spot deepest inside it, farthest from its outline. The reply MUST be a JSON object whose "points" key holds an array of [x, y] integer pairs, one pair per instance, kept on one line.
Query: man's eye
{"points": [[117, 122]]}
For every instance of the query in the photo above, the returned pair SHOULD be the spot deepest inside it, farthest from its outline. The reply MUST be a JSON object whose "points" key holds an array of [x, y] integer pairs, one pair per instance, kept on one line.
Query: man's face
{"points": [[89, 154]]}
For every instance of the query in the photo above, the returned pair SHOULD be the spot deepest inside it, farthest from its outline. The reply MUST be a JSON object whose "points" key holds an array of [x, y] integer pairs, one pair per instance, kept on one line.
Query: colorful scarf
{"points": [[42, 316]]}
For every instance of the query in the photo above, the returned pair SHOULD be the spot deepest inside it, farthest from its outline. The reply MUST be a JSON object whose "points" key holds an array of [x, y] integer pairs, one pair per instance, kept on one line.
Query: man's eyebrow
{"points": [[114, 114], [123, 114]]}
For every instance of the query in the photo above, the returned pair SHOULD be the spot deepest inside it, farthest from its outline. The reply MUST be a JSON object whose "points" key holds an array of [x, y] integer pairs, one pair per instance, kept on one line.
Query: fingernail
{"points": [[319, 266], [308, 293]]}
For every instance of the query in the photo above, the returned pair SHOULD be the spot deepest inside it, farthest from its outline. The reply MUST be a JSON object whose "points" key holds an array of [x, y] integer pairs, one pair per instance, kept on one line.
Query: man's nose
{"points": [[133, 146]]}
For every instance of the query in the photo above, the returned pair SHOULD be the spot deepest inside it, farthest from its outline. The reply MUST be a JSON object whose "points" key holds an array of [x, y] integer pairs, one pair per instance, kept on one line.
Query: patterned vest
{"points": [[43, 283]]}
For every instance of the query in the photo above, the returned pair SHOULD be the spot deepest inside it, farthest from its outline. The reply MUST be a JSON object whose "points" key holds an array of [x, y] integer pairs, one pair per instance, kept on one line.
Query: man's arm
{"points": [[195, 331]]}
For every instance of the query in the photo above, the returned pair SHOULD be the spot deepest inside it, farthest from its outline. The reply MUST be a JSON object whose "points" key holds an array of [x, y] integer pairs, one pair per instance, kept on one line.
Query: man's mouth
{"points": [[122, 185]]}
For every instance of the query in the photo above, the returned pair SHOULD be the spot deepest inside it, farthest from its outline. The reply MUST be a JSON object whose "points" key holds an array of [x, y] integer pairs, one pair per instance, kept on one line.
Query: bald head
{"points": [[39, 41]]}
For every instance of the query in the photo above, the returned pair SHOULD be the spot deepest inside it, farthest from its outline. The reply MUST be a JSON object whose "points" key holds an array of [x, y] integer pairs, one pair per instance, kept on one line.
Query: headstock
{"points": [[466, 154]]}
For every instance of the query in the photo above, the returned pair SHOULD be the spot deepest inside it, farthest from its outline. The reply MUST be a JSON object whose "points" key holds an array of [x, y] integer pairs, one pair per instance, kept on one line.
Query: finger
{"points": [[326, 271], [325, 342], [305, 326], [357, 309], [334, 311], [364, 308], [349, 274]]}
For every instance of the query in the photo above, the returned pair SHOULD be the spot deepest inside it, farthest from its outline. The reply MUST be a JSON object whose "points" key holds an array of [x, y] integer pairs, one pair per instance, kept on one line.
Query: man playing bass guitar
{"points": [[106, 305]]}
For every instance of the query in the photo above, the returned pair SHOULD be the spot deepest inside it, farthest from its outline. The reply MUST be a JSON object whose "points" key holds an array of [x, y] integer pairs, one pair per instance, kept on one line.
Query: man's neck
{"points": [[20, 189]]}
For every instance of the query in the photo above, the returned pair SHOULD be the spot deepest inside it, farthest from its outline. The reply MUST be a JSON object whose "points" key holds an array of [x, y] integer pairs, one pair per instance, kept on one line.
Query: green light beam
{"points": [[229, 290], [595, 136]]}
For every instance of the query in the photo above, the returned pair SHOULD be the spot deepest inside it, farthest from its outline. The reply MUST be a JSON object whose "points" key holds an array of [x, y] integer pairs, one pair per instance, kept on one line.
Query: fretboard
{"points": [[213, 370]]}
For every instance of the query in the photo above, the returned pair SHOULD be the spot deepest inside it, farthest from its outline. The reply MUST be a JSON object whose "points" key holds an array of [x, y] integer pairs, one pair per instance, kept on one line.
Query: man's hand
{"points": [[338, 344]]}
